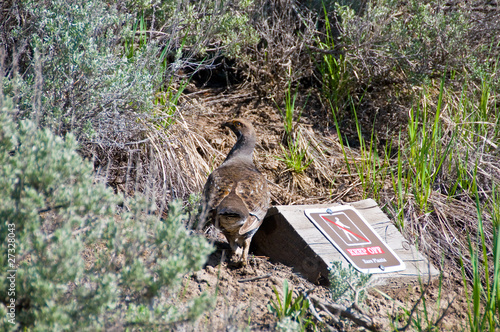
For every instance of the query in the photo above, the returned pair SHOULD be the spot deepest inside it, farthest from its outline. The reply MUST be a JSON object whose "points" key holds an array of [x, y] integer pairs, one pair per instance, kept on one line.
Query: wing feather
{"points": [[247, 183], [254, 193], [216, 189]]}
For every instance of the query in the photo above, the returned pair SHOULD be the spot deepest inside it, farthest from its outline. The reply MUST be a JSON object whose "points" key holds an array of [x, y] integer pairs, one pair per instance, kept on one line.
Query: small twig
{"points": [[138, 142], [255, 278], [152, 33], [75, 232], [337, 50], [160, 157], [353, 313], [311, 306], [414, 309], [436, 323], [50, 208]]}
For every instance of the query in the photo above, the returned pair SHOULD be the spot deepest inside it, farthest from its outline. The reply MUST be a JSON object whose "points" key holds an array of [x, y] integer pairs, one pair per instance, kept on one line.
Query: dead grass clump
{"points": [[281, 56], [133, 154]]}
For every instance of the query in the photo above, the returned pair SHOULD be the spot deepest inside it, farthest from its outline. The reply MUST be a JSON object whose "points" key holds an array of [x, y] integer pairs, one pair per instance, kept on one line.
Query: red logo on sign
{"points": [[347, 231], [365, 251]]}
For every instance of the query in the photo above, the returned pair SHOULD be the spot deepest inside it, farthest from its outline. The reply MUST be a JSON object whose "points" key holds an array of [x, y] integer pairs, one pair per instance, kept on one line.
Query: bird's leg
{"points": [[235, 248], [237, 253], [246, 247], [239, 247]]}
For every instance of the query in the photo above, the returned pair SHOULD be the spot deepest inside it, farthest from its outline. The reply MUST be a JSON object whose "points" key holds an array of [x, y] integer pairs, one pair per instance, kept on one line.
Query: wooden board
{"points": [[289, 237]]}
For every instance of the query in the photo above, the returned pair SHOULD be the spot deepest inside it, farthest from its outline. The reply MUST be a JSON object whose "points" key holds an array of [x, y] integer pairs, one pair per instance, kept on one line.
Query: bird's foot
{"points": [[237, 261]]}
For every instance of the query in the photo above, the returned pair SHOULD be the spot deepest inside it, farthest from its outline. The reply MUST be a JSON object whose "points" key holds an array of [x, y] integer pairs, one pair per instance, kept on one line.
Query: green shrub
{"points": [[83, 60], [204, 27], [387, 38], [112, 74], [347, 284], [79, 64], [291, 313], [79, 264]]}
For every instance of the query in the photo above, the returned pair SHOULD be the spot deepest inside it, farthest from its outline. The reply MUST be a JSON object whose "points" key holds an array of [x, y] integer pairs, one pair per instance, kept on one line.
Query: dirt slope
{"points": [[244, 293]]}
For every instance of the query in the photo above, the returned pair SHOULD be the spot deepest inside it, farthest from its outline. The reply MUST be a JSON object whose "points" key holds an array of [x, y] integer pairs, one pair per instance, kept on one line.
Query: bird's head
{"points": [[240, 127], [242, 150]]}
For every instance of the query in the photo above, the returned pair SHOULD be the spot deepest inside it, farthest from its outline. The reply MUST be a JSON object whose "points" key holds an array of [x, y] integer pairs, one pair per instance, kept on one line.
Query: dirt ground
{"points": [[244, 293]]}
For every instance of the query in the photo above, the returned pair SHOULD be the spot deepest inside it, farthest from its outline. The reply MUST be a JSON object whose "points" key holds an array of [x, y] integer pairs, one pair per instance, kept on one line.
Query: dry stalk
{"points": [[335, 311]]}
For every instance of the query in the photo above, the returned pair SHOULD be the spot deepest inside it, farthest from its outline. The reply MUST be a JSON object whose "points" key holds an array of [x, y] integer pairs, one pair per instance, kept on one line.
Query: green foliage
{"points": [[382, 43], [202, 26], [435, 149], [483, 301], [81, 64], [407, 37], [290, 111], [426, 152], [93, 57], [477, 113], [166, 106], [400, 193], [290, 312], [112, 74], [421, 317], [371, 168], [347, 283], [78, 261], [295, 154], [333, 69]]}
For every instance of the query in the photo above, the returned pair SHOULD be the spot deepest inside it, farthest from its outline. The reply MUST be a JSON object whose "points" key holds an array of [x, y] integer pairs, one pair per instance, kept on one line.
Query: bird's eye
{"points": [[237, 124]]}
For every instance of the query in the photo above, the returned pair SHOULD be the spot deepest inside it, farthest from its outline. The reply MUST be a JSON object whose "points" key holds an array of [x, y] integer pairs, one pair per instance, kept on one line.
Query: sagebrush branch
{"points": [[352, 313]]}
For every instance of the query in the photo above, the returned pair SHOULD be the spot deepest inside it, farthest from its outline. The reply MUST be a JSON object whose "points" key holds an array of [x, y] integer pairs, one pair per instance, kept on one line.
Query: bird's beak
{"points": [[227, 125]]}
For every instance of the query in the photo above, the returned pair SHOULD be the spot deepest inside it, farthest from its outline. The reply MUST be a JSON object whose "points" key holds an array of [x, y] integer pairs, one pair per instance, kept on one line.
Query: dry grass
{"points": [[164, 163], [285, 29]]}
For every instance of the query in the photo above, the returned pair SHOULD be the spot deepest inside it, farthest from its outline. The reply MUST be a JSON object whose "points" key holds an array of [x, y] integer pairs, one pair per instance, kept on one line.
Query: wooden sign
{"points": [[355, 239]]}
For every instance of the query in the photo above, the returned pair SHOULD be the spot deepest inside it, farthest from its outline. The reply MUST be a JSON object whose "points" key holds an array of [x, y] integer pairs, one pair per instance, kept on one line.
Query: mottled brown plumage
{"points": [[236, 197]]}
